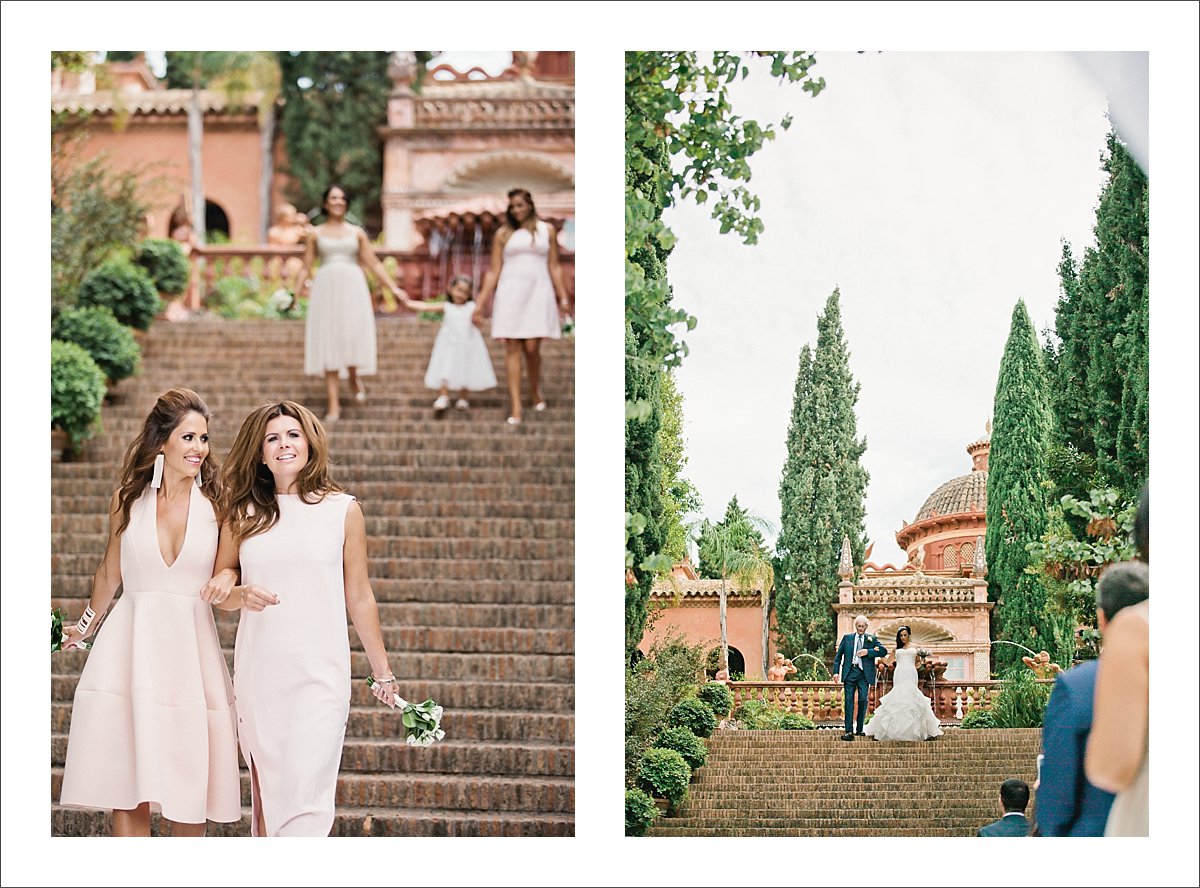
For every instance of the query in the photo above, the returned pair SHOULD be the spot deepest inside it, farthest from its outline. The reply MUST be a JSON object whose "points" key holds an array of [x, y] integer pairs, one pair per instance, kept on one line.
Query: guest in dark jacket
{"points": [[1014, 799]]}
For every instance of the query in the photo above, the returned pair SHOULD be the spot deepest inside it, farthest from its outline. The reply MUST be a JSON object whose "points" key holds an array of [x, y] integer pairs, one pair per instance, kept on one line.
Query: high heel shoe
{"points": [[540, 406], [513, 421], [360, 391]]}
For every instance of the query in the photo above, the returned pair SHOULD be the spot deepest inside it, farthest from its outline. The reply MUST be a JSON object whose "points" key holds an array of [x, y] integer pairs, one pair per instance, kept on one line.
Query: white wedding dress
{"points": [[904, 713]]}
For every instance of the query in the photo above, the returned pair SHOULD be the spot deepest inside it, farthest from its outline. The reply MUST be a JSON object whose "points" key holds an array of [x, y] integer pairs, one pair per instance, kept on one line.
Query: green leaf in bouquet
{"points": [[57, 615], [410, 720]]}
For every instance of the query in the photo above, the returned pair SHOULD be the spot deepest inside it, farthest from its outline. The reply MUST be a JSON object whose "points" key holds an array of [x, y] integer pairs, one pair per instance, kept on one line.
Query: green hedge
{"points": [[694, 715], [717, 697], [978, 718], [76, 390], [759, 715], [1022, 700], [640, 812], [665, 773], [102, 336], [125, 289], [684, 742], [166, 263]]}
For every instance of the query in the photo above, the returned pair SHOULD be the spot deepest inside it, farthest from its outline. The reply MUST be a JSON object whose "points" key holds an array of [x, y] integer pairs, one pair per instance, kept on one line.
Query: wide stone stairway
{"points": [[470, 527], [812, 783]]}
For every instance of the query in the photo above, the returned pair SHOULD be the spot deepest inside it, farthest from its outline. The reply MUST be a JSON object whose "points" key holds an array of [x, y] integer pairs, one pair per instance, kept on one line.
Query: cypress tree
{"points": [[821, 492], [744, 537], [679, 495], [1017, 497], [1101, 372]]}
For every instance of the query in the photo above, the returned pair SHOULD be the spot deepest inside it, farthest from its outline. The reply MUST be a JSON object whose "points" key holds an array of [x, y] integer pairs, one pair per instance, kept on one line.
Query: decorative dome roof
{"points": [[967, 493]]}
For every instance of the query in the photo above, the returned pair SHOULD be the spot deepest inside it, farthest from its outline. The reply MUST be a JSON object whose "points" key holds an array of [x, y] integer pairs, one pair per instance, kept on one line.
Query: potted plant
{"points": [[76, 394]]}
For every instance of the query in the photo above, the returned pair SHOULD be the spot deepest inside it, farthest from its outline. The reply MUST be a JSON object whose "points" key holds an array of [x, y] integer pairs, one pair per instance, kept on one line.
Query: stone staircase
{"points": [[470, 527], [808, 783]]}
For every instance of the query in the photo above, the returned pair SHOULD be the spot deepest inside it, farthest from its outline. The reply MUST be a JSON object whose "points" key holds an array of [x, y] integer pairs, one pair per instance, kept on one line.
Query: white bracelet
{"points": [[85, 620]]}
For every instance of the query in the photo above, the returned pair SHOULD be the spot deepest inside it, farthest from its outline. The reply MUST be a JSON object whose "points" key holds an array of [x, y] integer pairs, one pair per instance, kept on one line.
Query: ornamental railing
{"points": [[268, 267], [823, 701]]}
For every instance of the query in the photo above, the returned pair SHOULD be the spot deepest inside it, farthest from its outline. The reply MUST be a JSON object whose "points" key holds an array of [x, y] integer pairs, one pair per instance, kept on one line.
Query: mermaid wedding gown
{"points": [[904, 713]]}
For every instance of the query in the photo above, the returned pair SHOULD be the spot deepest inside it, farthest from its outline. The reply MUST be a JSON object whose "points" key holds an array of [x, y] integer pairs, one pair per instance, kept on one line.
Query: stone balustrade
{"points": [[822, 701], [269, 266]]}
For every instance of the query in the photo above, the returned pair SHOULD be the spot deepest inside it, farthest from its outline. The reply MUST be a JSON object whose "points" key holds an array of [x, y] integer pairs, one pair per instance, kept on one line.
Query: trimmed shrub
{"points": [[794, 721], [978, 718], [694, 715], [125, 289], [717, 697], [166, 263], [684, 742], [102, 336], [640, 812], [665, 773], [76, 390]]}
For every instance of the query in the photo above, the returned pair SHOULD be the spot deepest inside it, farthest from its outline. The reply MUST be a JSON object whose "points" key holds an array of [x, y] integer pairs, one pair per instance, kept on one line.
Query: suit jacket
{"points": [[845, 655], [1067, 804], [1014, 825]]}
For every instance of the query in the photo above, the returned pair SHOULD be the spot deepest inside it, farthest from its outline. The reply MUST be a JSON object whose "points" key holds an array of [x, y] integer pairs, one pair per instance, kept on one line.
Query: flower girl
{"points": [[460, 358]]}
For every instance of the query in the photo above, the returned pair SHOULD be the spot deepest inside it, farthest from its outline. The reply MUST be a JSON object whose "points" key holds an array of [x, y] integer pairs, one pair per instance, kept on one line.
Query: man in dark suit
{"points": [[854, 667], [1014, 798], [1067, 804]]}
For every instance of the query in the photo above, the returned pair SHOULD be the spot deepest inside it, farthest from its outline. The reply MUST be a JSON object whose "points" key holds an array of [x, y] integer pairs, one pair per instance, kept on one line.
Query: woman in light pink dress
{"points": [[301, 545], [152, 726], [526, 278]]}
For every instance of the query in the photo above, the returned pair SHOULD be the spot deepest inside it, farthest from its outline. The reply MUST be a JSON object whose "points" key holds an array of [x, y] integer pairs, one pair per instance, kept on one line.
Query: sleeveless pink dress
{"points": [[291, 669], [525, 306], [340, 329], [153, 719]]}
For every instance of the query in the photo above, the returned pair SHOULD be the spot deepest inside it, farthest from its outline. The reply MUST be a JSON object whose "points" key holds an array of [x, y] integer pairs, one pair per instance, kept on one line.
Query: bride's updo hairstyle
{"points": [[899, 643]]}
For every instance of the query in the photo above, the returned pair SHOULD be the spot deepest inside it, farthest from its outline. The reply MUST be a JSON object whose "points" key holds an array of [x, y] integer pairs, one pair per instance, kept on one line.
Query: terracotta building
{"points": [[940, 592]]}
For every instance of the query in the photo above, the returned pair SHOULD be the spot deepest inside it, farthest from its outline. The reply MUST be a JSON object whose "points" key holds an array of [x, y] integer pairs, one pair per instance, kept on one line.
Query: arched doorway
{"points": [[216, 223], [737, 663]]}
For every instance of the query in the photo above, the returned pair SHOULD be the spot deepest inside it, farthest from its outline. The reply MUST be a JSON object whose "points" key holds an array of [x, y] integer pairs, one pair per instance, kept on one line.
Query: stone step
{"points": [[403, 482], [498, 695], [374, 721], [354, 822], [77, 587], [78, 525], [817, 830], [429, 547], [420, 666], [379, 459], [96, 505], [489, 759], [411, 568], [454, 792]]}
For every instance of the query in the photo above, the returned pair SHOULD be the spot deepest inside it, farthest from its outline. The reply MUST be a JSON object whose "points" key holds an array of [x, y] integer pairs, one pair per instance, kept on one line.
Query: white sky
{"points": [[933, 189]]}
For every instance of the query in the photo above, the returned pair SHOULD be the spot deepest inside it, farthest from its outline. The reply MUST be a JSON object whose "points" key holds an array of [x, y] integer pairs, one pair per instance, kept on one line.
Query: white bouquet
{"points": [[422, 721], [568, 327], [283, 300]]}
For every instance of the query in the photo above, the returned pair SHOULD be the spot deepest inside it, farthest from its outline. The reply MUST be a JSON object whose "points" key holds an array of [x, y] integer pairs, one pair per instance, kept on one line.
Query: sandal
{"points": [[461, 404], [360, 390], [513, 421], [441, 403]]}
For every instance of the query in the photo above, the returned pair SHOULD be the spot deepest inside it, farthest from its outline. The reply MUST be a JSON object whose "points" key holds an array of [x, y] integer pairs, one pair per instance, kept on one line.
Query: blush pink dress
{"points": [[291, 671], [525, 306], [153, 719], [340, 329]]}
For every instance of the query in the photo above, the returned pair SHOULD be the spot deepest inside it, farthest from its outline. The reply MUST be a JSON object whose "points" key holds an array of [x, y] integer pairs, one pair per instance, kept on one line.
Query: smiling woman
{"points": [[300, 543], [153, 721]]}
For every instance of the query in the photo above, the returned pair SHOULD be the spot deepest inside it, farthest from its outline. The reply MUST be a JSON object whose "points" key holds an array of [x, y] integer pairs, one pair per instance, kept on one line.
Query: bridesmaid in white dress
{"points": [[339, 335], [904, 713], [152, 727], [301, 545], [526, 278]]}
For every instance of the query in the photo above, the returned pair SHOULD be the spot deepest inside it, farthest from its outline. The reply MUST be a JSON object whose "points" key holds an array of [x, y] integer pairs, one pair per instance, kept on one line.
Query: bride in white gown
{"points": [[904, 713]]}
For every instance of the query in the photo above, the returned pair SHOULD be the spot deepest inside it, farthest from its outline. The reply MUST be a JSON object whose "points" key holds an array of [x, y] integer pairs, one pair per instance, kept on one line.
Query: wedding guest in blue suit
{"points": [[1014, 799], [854, 667], [1067, 803]]}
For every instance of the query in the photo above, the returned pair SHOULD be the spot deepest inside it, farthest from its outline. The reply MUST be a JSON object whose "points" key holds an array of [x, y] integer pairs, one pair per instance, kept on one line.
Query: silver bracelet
{"points": [[378, 680]]}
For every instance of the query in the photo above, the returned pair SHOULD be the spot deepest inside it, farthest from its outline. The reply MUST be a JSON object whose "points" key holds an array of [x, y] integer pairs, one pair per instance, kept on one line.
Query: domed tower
{"points": [[953, 520]]}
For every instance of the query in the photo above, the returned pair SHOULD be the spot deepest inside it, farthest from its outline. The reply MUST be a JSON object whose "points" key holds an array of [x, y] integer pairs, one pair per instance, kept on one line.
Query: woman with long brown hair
{"points": [[526, 278], [301, 545], [152, 727]]}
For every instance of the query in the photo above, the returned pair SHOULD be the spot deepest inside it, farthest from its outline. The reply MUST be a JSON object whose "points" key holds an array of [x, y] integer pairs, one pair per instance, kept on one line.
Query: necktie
{"points": [[857, 647]]}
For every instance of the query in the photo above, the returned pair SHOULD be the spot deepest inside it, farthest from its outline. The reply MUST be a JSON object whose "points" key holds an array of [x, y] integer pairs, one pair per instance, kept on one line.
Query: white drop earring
{"points": [[156, 479]]}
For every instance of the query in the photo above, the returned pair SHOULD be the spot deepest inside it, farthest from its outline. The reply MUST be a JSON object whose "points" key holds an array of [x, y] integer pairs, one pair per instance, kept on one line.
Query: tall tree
{"points": [[334, 105], [1100, 362], [1016, 498], [676, 106], [736, 530], [678, 493], [822, 490]]}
